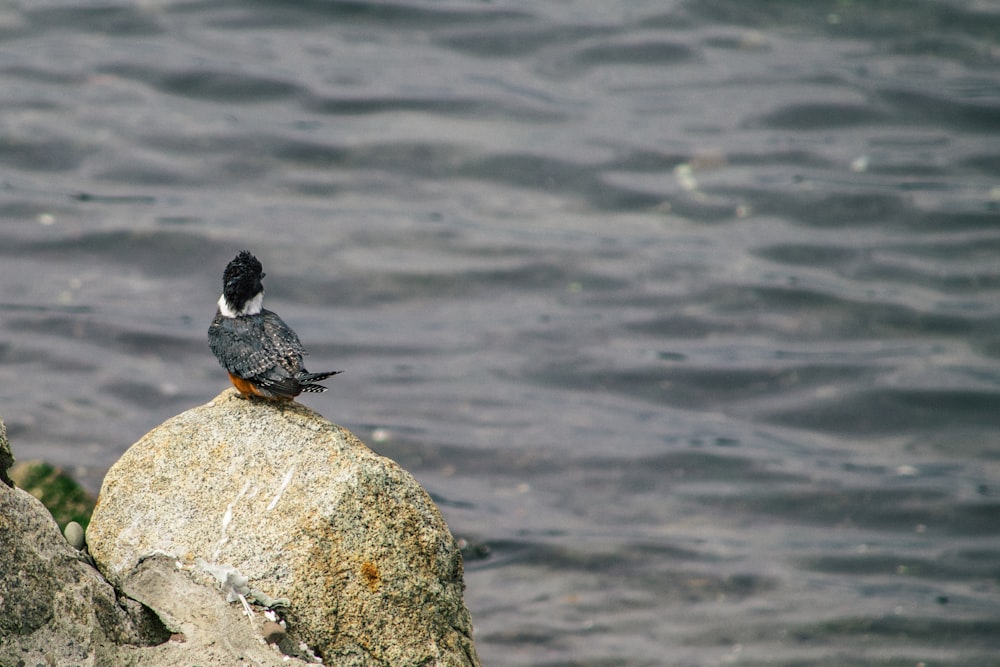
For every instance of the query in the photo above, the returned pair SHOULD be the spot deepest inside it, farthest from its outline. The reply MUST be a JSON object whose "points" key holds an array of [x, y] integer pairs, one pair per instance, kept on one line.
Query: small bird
{"points": [[261, 353]]}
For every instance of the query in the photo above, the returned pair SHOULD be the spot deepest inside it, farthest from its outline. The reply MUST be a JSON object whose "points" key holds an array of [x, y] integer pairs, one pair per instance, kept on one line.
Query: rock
{"points": [[75, 536], [54, 608], [273, 632], [205, 629], [304, 511], [6, 456], [57, 610]]}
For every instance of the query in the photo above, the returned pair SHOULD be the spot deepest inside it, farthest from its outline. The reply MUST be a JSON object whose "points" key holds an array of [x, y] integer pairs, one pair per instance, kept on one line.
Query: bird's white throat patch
{"points": [[252, 307]]}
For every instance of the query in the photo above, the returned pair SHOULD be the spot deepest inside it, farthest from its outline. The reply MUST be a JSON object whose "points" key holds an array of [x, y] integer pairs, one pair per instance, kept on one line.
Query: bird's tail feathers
{"points": [[315, 377]]}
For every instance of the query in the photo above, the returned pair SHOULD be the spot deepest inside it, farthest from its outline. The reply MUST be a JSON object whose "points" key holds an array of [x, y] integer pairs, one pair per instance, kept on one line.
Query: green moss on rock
{"points": [[58, 491]]}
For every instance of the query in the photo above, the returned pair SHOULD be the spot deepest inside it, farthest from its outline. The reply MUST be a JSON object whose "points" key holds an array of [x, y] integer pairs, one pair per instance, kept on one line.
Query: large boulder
{"points": [[55, 609], [275, 493]]}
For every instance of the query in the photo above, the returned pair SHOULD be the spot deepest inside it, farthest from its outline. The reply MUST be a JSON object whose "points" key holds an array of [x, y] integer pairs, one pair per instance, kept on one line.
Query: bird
{"points": [[261, 353]]}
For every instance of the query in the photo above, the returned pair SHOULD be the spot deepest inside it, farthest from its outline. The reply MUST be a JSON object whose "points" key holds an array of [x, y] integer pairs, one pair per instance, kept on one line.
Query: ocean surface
{"points": [[686, 313]]}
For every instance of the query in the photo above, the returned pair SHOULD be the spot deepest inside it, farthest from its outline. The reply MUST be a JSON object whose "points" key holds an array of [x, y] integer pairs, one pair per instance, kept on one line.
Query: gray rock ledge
{"points": [[55, 609]]}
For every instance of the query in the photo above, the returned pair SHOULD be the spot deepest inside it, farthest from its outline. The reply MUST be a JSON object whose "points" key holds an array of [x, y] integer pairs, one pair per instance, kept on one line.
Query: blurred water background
{"points": [[685, 311]]}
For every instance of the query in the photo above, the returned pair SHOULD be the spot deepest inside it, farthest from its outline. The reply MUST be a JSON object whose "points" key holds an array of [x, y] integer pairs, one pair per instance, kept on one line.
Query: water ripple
{"points": [[685, 313]]}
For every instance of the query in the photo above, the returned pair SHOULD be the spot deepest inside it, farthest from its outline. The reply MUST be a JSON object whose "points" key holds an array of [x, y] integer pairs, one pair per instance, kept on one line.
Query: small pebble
{"points": [[273, 632], [74, 534]]}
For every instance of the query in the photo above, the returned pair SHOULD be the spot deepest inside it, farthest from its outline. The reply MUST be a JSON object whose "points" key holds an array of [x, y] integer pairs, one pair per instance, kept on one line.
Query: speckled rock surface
{"points": [[55, 609], [6, 456], [304, 510], [206, 630]]}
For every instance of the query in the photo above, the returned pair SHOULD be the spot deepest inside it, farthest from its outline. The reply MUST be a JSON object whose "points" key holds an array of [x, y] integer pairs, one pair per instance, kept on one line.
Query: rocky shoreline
{"points": [[237, 531]]}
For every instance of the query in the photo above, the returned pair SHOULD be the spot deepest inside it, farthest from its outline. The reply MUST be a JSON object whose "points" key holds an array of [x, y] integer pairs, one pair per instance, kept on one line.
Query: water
{"points": [[685, 313]]}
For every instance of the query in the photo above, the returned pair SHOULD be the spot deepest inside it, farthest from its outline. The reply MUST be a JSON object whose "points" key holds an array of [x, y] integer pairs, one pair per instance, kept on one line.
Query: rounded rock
{"points": [[307, 512], [73, 532]]}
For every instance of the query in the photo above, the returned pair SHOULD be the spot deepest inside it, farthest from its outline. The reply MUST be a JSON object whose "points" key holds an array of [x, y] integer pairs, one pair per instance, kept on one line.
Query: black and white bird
{"points": [[261, 353]]}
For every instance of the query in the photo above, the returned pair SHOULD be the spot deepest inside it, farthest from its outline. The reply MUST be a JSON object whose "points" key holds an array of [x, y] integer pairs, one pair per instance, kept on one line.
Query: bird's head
{"points": [[242, 290]]}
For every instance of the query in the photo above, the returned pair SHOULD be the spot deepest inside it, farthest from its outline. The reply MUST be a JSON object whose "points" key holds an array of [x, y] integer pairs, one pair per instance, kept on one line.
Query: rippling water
{"points": [[686, 313]]}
